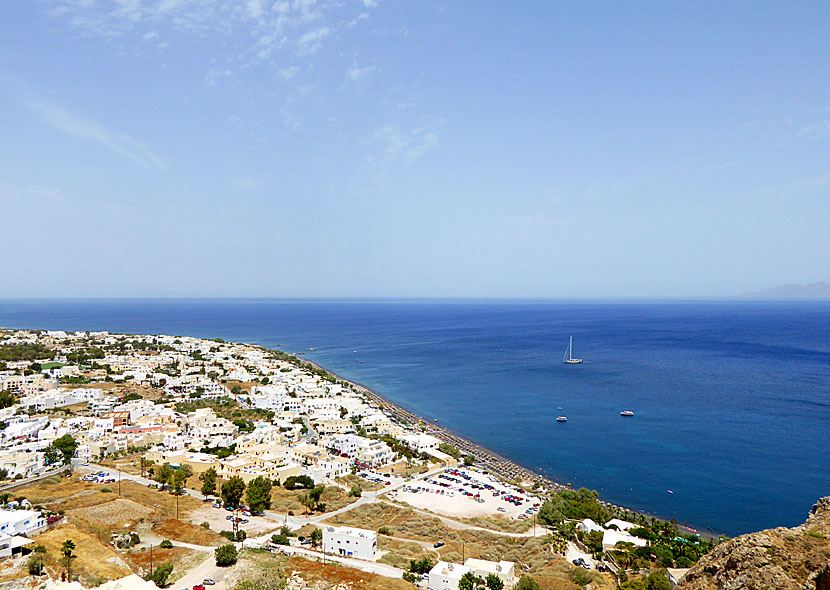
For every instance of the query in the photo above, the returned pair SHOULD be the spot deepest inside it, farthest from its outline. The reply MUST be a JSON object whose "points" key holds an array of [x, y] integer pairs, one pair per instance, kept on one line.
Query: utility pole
{"points": [[151, 559], [119, 483], [177, 506]]}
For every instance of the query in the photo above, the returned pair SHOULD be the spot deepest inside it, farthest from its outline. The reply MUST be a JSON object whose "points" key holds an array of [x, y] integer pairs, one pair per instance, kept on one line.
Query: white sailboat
{"points": [[569, 359]]}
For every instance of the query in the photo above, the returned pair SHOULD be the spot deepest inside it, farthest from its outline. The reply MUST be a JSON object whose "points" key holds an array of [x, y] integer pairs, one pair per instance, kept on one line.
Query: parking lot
{"points": [[467, 492]]}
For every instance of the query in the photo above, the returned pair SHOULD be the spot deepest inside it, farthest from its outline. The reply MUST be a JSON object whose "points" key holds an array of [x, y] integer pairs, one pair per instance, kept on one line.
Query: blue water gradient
{"points": [[732, 399]]}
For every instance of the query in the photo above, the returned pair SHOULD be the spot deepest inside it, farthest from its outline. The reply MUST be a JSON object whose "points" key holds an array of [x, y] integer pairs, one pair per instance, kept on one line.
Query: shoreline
{"points": [[485, 458]]}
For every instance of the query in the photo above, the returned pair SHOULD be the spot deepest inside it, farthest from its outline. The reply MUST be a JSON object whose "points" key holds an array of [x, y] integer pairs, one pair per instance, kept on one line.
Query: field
{"points": [[186, 532], [364, 484], [94, 515], [95, 558], [261, 566], [182, 559], [283, 500], [218, 521], [399, 553], [404, 469]]}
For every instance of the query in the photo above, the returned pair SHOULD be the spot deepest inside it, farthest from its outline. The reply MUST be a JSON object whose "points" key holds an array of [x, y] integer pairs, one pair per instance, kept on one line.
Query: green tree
{"points": [[494, 582], [161, 575], [36, 565], [179, 478], [657, 581], [293, 482], [208, 479], [51, 455], [232, 491], [226, 555], [258, 494], [311, 500], [449, 450], [580, 577], [163, 475], [420, 566], [355, 492], [469, 460], [528, 583], [283, 537], [316, 537], [469, 581]]}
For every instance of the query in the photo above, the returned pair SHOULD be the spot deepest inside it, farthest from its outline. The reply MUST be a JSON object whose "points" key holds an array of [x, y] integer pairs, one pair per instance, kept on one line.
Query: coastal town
{"points": [[145, 461]]}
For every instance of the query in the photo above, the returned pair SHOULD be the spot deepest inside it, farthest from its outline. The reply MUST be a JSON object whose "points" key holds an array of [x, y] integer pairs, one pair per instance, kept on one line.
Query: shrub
{"points": [[420, 566], [384, 530], [528, 583], [161, 574], [166, 544], [298, 481], [410, 577], [226, 555], [35, 566], [205, 525], [106, 490]]}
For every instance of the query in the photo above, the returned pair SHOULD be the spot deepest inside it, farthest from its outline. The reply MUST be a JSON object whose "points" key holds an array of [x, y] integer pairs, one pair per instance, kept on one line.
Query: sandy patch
{"points": [[115, 512], [217, 518]]}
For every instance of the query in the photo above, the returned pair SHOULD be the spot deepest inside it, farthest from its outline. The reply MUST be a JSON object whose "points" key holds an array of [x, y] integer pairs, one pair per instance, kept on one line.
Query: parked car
{"points": [[208, 582], [199, 587], [438, 544]]}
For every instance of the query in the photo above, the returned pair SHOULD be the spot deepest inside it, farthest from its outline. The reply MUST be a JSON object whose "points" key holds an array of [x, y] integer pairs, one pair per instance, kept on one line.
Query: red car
{"points": [[199, 587]]}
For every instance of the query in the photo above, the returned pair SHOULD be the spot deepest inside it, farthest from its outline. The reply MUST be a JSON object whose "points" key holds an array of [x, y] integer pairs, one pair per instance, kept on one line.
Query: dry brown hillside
{"points": [[782, 558]]}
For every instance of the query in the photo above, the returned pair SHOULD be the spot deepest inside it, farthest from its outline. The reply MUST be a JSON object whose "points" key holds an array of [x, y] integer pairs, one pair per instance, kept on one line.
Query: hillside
{"points": [[781, 558], [792, 291]]}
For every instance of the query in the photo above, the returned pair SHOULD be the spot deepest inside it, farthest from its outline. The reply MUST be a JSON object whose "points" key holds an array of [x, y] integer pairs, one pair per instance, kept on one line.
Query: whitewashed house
{"points": [[350, 542]]}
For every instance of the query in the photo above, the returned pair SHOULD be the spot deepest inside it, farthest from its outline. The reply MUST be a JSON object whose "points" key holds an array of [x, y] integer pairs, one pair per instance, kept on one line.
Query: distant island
{"points": [[819, 290]]}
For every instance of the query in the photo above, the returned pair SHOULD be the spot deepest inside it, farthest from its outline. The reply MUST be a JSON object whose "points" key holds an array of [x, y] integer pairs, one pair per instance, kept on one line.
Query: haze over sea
{"points": [[731, 399]]}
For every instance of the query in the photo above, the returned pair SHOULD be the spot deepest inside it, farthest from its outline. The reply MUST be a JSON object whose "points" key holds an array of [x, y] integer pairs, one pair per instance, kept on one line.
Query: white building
{"points": [[622, 525], [350, 542], [482, 568], [8, 543], [445, 576], [611, 537], [421, 442], [21, 522]]}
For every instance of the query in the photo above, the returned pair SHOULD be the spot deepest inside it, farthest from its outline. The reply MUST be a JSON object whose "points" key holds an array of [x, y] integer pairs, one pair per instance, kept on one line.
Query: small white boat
{"points": [[626, 413], [562, 419], [569, 360]]}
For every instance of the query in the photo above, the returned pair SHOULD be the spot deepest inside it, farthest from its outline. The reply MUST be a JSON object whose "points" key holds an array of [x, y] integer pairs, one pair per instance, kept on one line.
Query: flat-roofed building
{"points": [[505, 570], [350, 542], [445, 576]]}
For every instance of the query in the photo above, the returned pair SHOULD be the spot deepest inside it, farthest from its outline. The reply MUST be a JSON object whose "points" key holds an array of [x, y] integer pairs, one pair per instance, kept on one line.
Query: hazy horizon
{"points": [[369, 149]]}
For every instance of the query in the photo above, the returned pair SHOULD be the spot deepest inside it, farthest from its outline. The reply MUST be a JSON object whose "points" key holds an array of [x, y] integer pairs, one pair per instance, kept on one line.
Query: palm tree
{"points": [[67, 548]]}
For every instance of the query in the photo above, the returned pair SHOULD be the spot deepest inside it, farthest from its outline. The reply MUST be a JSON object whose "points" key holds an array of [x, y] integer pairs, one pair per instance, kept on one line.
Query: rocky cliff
{"points": [[782, 558]]}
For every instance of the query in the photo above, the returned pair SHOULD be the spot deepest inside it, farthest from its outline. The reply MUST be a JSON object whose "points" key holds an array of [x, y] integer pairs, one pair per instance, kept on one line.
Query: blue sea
{"points": [[731, 399]]}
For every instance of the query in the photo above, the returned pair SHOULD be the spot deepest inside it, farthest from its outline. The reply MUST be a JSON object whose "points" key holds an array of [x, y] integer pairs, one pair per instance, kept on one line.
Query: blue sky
{"points": [[376, 148]]}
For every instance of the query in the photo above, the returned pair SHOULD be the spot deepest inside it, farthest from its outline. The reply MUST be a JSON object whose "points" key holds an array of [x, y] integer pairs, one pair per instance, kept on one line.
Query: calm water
{"points": [[732, 400]]}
